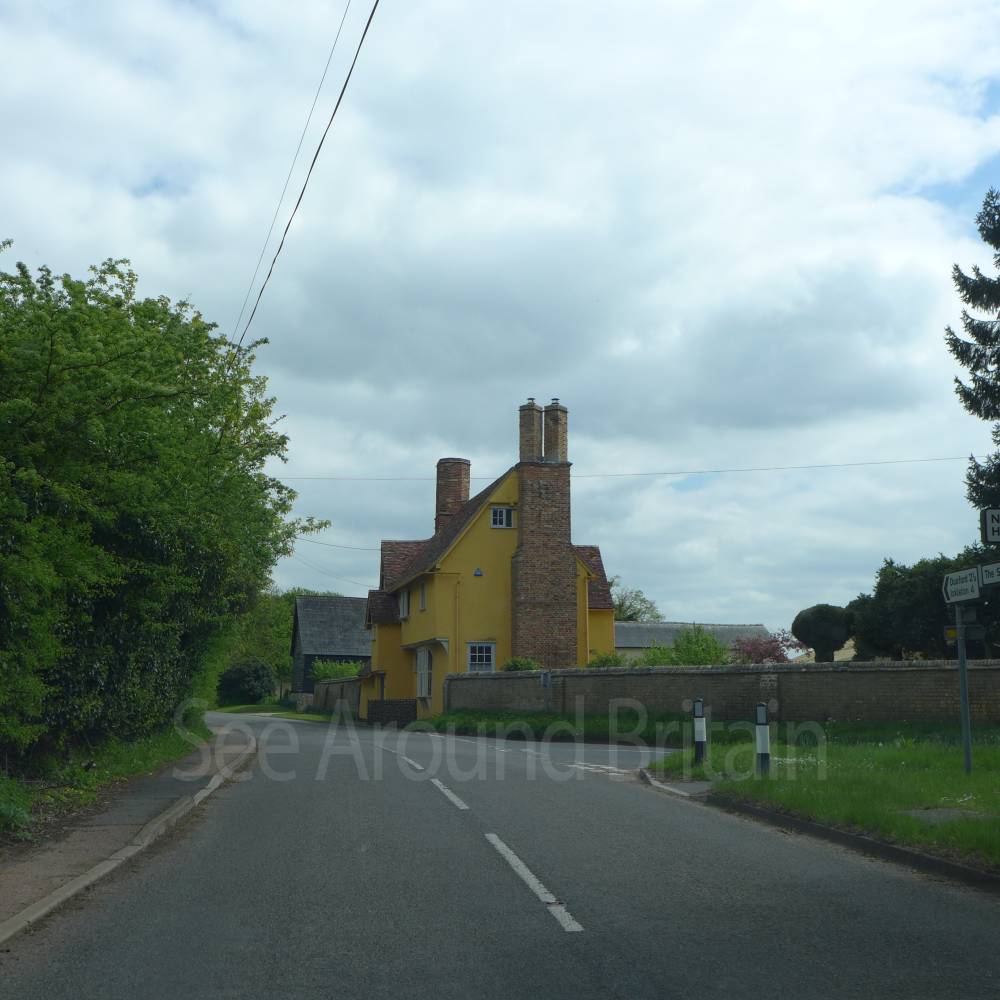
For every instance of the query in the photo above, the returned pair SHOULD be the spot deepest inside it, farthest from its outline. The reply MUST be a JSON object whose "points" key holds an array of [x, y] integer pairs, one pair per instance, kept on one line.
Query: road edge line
{"points": [[148, 834], [647, 779]]}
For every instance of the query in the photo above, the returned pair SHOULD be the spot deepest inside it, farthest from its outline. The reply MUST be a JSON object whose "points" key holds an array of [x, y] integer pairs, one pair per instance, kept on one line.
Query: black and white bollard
{"points": [[698, 711], [763, 741]]}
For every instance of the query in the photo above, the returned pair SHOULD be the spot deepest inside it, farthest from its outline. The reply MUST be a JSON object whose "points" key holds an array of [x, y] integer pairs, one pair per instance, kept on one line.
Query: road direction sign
{"points": [[961, 586], [989, 526], [989, 574]]}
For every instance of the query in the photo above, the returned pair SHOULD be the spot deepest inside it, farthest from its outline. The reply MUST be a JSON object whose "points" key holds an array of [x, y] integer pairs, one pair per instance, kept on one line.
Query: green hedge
{"points": [[138, 522]]}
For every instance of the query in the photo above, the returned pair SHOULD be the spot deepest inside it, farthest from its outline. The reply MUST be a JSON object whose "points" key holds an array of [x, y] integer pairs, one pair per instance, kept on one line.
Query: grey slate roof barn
{"points": [[632, 639], [327, 628]]}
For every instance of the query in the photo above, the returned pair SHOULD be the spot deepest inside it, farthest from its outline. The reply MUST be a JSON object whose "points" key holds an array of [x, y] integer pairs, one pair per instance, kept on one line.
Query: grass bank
{"points": [[902, 784], [629, 726], [265, 706], [278, 710], [57, 786]]}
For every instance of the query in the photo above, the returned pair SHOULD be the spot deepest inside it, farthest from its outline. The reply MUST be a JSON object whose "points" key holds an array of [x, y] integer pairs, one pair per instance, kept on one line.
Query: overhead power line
{"points": [[344, 579], [295, 159], [673, 472], [332, 545], [312, 165]]}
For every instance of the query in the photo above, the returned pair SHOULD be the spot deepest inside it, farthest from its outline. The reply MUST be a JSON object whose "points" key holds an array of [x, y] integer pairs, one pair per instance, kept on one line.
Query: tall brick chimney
{"points": [[452, 488], [543, 567], [556, 432], [531, 431]]}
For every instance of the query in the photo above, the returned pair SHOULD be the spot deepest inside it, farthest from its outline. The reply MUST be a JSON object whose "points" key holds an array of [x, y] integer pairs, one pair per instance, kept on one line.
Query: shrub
{"points": [[15, 804], [603, 661], [824, 627], [694, 647], [246, 683], [657, 656], [521, 663], [327, 670]]}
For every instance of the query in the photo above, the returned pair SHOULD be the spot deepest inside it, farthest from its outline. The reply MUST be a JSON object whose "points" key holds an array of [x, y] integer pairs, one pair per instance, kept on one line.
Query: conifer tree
{"points": [[979, 353]]}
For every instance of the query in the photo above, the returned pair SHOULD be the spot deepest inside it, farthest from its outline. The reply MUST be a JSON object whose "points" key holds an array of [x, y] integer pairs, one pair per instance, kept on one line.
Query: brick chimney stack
{"points": [[543, 568], [556, 432], [531, 431], [452, 488]]}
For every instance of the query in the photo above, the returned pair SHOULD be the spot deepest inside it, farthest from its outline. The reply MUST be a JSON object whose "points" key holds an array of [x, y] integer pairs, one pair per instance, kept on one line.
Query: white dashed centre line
{"points": [[449, 794], [562, 915], [403, 756]]}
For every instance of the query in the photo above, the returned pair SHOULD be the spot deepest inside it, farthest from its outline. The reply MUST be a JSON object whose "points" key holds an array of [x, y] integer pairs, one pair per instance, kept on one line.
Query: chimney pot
{"points": [[531, 431], [452, 488], [556, 432]]}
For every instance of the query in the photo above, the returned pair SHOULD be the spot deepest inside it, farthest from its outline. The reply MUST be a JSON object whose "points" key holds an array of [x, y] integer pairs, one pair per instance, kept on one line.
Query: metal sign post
{"points": [[963, 690]]}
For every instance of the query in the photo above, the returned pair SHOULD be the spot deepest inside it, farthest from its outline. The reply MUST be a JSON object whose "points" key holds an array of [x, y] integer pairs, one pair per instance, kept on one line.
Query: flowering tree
{"points": [[773, 648]]}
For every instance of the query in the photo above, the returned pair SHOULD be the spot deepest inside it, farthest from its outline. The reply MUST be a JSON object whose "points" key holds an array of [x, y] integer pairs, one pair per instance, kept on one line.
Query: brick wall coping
{"points": [[847, 667]]}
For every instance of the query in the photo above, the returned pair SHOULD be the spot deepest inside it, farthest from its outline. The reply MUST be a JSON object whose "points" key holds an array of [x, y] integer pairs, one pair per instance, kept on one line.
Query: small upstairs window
{"points": [[423, 596], [404, 603], [502, 517]]}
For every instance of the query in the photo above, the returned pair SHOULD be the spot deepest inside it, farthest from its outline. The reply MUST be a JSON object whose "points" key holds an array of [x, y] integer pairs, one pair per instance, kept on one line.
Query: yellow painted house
{"points": [[499, 578]]}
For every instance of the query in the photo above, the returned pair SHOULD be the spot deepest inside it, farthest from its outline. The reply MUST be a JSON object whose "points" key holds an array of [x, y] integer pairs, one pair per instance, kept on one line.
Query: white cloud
{"points": [[722, 233]]}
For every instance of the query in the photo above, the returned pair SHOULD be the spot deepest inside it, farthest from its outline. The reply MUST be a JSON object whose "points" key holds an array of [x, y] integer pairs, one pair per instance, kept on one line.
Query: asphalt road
{"points": [[339, 868]]}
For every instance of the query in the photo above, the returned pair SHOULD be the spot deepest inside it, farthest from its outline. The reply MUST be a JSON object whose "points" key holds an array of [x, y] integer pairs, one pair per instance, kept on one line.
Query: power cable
{"points": [[619, 475], [344, 579], [332, 545], [295, 159], [305, 183]]}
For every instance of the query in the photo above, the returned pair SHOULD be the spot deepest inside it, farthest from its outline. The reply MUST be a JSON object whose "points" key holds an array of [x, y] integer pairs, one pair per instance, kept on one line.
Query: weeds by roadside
{"points": [[57, 786]]}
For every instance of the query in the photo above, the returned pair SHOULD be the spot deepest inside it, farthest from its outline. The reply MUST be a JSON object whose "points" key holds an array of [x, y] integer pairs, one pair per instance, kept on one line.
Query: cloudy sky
{"points": [[720, 232]]}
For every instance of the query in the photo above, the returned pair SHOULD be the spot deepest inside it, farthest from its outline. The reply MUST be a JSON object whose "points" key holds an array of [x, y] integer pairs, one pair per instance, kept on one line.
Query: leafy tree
{"points": [[979, 353], [264, 631], [137, 520], [824, 627], [632, 605], [247, 683], [771, 648], [905, 617]]}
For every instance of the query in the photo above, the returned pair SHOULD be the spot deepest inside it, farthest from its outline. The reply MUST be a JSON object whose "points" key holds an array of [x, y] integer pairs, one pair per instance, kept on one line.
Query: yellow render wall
{"points": [[602, 631], [397, 663]]}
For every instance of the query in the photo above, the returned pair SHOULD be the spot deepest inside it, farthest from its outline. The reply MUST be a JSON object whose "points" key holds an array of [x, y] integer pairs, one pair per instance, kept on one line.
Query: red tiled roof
{"points": [[599, 590], [402, 561], [382, 609]]}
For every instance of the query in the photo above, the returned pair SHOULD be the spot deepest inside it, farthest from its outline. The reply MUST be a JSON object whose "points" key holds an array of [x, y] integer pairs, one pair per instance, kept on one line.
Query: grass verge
{"points": [[58, 786], [264, 706], [902, 784], [628, 726]]}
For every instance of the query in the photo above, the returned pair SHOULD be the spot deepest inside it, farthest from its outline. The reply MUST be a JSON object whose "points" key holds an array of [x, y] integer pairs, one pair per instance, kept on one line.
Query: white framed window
{"points": [[482, 657], [425, 672], [423, 596], [502, 517], [404, 603]]}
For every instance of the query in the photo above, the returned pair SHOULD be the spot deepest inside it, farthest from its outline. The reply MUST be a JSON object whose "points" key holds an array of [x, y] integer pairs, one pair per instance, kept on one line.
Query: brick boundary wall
{"points": [[913, 691], [392, 711]]}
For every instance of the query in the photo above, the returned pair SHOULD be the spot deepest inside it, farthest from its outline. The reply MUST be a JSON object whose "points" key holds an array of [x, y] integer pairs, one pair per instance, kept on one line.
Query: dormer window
{"points": [[502, 517]]}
